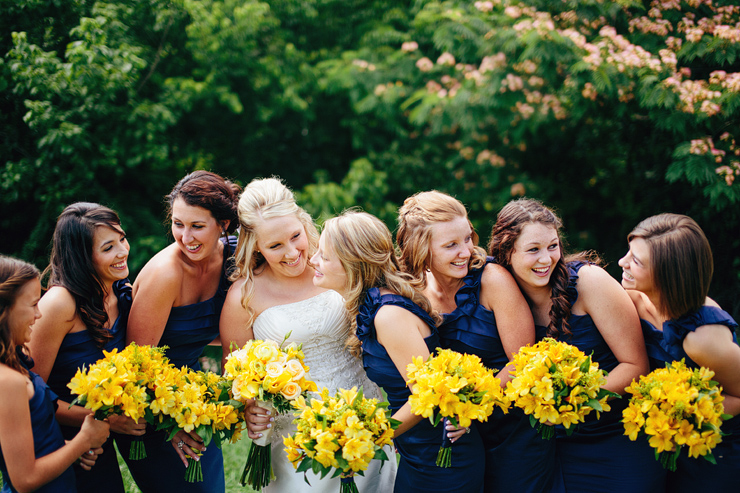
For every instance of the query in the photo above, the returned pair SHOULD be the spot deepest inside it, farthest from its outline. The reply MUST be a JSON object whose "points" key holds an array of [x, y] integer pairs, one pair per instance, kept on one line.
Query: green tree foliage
{"points": [[608, 110]]}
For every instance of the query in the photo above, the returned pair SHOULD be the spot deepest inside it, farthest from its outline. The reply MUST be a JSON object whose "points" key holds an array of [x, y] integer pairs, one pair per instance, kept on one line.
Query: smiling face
{"points": [[283, 243], [536, 251], [25, 312], [451, 247], [329, 272], [195, 229], [636, 272], [110, 254]]}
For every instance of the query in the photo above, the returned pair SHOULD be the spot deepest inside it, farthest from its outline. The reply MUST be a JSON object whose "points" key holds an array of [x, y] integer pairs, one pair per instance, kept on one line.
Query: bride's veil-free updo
{"points": [[262, 199]]}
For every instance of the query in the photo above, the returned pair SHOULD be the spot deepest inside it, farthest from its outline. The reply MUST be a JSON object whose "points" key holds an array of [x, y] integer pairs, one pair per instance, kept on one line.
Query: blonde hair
{"points": [[364, 246], [416, 217], [263, 199], [680, 260]]}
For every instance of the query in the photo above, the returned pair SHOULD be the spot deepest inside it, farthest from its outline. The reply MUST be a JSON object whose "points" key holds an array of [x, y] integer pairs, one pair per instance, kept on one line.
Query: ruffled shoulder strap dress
{"points": [[666, 345], [189, 329], [598, 456], [47, 437], [418, 447], [517, 459], [78, 349]]}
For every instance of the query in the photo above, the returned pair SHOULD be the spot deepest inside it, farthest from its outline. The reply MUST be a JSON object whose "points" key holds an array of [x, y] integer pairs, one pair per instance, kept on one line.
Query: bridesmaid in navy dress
{"points": [[86, 308], [484, 314], [667, 273], [393, 323], [33, 453], [575, 301], [178, 298]]}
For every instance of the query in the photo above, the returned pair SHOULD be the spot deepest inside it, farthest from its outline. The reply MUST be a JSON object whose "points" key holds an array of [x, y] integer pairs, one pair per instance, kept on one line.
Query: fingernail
{"points": [[269, 426], [197, 459], [272, 419], [260, 435]]}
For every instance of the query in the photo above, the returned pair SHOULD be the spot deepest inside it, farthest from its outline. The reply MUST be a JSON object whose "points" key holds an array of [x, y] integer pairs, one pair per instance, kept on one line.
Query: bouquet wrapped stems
{"points": [[347, 483], [137, 450], [444, 456], [194, 471], [258, 469]]}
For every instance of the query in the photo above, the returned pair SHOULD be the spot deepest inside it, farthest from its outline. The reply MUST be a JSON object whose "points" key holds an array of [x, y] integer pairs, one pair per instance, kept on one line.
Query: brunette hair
{"points": [[364, 246], [14, 275], [510, 222], [210, 191], [416, 217], [263, 199], [71, 264], [680, 261]]}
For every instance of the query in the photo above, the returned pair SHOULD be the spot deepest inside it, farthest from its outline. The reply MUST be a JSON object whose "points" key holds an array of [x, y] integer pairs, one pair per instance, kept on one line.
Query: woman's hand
{"points": [[188, 445], [96, 432], [455, 432], [258, 420], [87, 460], [127, 426]]}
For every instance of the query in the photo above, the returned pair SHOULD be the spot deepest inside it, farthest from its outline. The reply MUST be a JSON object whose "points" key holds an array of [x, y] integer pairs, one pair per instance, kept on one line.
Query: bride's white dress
{"points": [[321, 324]]}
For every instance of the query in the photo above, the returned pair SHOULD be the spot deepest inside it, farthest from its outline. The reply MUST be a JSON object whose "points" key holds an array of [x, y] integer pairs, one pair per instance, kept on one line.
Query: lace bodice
{"points": [[322, 325]]}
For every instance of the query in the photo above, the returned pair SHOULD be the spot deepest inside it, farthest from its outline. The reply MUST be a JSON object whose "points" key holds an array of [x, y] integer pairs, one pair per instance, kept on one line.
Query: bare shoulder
{"points": [[393, 316], [591, 275], [164, 269], [59, 302], [12, 382], [495, 274]]}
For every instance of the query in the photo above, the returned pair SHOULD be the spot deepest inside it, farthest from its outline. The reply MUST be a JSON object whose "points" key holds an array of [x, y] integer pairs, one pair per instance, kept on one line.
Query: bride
{"points": [[273, 295]]}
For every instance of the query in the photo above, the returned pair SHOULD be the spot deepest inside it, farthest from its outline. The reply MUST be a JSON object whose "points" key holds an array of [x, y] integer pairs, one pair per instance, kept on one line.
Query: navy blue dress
{"points": [[189, 329], [47, 437], [517, 458], [696, 474], [597, 456], [418, 447], [78, 349]]}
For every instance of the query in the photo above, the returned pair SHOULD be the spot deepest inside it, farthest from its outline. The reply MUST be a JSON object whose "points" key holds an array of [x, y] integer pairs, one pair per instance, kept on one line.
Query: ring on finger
{"points": [[180, 444], [91, 452], [467, 430]]}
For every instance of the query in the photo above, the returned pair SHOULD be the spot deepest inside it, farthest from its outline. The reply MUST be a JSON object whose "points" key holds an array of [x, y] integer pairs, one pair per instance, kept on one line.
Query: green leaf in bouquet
{"points": [[586, 365], [394, 423], [710, 458], [305, 465], [358, 397], [341, 461], [380, 454], [594, 404], [206, 433]]}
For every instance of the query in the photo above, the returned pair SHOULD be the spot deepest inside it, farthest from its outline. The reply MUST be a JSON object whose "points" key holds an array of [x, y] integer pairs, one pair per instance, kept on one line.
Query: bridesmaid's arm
{"points": [[614, 314], [59, 312], [26, 472], [402, 335], [500, 294], [234, 327], [155, 292], [711, 346]]}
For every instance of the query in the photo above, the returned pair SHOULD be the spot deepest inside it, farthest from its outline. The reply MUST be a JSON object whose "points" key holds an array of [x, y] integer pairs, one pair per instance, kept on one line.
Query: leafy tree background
{"points": [[608, 111]]}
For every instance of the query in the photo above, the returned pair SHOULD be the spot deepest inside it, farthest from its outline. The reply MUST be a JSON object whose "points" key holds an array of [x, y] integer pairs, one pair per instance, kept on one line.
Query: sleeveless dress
{"points": [[78, 349], [189, 329], [597, 456], [517, 458], [696, 474], [47, 437], [322, 325], [418, 447]]}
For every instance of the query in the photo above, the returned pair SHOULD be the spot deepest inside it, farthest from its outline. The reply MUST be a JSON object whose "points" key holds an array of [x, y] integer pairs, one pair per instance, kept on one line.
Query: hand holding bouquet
{"points": [[342, 432], [273, 376], [454, 386], [556, 383], [676, 407], [187, 400], [117, 384]]}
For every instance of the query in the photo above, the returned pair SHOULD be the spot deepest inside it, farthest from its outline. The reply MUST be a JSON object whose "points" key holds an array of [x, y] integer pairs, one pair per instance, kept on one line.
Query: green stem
{"points": [[258, 469], [137, 450], [194, 472]]}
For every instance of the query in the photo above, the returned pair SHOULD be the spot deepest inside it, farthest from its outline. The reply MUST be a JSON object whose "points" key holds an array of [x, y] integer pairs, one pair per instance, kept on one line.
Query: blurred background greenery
{"points": [[610, 111]]}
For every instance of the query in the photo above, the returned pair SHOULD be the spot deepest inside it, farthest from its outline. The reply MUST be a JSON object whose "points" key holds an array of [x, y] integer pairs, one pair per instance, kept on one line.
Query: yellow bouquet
{"points": [[273, 376], [116, 384], [198, 401], [342, 432], [455, 386], [676, 407], [556, 383]]}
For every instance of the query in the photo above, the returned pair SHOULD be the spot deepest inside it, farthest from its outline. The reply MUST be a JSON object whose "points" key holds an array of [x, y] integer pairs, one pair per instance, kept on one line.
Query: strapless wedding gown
{"points": [[321, 324]]}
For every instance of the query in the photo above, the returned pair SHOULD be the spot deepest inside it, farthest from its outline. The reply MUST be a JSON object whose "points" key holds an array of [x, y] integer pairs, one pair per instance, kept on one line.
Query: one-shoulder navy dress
{"points": [[697, 474], [517, 458], [597, 456], [47, 437], [418, 447], [189, 329], [78, 349]]}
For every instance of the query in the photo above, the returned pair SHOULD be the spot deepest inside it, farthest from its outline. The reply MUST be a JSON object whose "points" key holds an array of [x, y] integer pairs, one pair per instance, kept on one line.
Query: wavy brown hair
{"points": [[364, 246], [680, 261], [211, 192], [71, 264], [510, 222], [416, 217], [14, 275]]}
